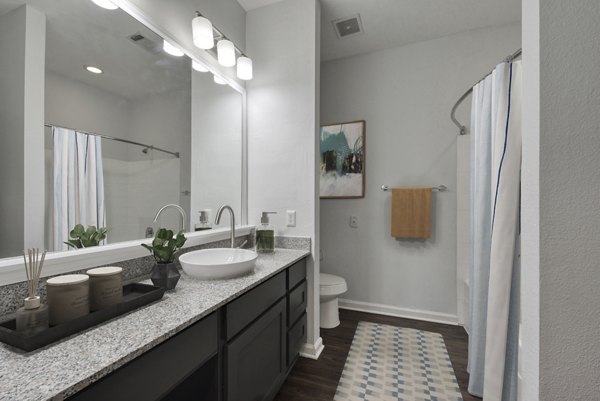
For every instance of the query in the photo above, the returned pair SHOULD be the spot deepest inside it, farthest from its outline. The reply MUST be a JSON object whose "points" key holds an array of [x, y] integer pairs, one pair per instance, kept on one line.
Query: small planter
{"points": [[165, 275]]}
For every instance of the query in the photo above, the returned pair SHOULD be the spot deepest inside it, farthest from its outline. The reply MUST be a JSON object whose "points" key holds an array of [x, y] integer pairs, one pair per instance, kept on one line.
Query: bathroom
{"points": [[254, 145]]}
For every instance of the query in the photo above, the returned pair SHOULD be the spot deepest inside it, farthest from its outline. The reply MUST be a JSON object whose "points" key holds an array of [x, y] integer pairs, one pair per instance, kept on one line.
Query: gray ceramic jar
{"points": [[68, 297], [106, 287]]}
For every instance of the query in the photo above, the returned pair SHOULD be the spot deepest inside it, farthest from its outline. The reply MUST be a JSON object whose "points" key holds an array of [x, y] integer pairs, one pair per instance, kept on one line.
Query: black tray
{"points": [[134, 296]]}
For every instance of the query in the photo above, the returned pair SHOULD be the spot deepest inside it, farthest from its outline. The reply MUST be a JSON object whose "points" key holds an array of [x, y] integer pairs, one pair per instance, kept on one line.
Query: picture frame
{"points": [[342, 165]]}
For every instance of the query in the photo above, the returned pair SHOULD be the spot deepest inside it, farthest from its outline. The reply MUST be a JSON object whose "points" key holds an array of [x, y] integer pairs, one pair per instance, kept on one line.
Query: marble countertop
{"points": [[61, 369]]}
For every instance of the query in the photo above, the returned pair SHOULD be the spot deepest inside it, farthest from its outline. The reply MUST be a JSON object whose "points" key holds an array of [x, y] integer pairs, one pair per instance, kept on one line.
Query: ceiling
{"points": [[79, 33], [393, 23]]}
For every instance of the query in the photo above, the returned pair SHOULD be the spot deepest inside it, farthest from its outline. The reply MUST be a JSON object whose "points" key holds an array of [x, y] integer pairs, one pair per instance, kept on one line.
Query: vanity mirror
{"points": [[103, 123]]}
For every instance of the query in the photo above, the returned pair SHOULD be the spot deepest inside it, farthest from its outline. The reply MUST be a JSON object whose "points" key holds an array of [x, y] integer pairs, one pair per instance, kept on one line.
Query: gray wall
{"points": [[283, 40], [569, 182], [22, 33], [405, 95]]}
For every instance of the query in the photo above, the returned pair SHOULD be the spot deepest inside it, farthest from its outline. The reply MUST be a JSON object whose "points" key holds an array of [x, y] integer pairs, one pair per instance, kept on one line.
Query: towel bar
{"points": [[440, 188]]}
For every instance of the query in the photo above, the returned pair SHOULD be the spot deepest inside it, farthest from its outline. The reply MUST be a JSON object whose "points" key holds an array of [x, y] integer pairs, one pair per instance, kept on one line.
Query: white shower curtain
{"points": [[494, 267], [78, 183]]}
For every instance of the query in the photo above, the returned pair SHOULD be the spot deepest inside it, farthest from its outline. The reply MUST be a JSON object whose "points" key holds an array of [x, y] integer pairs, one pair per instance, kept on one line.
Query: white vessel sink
{"points": [[218, 263]]}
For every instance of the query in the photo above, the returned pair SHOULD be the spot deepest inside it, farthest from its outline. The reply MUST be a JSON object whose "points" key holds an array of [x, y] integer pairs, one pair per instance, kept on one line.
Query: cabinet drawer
{"points": [[296, 338], [256, 359], [296, 273], [297, 302], [153, 374], [243, 310]]}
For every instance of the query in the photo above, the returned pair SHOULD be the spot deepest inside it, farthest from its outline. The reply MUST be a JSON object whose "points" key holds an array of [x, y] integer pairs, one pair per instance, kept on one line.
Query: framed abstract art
{"points": [[342, 170]]}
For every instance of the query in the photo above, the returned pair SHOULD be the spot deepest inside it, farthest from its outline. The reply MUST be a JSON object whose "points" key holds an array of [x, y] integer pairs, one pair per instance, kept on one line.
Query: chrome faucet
{"points": [[231, 221], [174, 206]]}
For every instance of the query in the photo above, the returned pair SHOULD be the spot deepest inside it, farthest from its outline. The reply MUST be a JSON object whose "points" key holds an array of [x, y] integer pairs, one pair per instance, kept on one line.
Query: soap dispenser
{"points": [[204, 223], [265, 234]]}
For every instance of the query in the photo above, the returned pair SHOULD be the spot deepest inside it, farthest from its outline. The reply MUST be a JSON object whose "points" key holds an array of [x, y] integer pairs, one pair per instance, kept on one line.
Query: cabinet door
{"points": [[256, 358]]}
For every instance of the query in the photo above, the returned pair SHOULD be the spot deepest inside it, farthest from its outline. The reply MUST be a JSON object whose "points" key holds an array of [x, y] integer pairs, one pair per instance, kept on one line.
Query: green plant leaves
{"points": [[85, 238], [165, 246]]}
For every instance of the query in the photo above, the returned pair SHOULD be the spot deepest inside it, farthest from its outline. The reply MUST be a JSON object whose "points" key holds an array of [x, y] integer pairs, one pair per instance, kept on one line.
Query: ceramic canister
{"points": [[68, 297], [106, 287]]}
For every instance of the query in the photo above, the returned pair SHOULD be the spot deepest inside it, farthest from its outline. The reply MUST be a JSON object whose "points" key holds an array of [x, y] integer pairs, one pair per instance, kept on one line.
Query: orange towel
{"points": [[411, 212]]}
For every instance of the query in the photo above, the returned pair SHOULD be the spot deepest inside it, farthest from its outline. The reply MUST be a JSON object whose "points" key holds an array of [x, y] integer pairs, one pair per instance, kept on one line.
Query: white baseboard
{"points": [[312, 351], [406, 313]]}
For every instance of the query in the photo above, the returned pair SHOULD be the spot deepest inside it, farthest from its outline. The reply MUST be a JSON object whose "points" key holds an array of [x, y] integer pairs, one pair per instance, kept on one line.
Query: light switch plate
{"points": [[291, 218], [354, 221]]}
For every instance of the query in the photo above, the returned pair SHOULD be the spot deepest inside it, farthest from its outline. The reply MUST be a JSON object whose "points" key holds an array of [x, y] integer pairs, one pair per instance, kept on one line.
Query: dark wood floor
{"points": [[312, 380]]}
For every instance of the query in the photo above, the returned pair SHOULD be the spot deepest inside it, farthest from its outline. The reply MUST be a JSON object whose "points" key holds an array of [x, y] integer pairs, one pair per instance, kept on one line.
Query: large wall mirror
{"points": [[127, 128]]}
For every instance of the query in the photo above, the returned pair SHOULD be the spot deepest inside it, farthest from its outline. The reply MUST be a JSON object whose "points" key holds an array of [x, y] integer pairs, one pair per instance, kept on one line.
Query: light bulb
{"points": [[202, 32], [172, 50], [219, 80], [109, 5], [92, 69], [198, 67], [244, 68], [226, 53]]}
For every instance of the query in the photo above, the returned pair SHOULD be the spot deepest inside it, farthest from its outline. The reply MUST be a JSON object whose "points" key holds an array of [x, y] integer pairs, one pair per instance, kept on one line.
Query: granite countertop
{"points": [[61, 369]]}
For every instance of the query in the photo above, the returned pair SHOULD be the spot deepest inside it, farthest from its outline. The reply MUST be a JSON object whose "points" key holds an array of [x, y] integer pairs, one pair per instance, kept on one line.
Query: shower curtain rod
{"points": [[145, 150], [462, 128]]}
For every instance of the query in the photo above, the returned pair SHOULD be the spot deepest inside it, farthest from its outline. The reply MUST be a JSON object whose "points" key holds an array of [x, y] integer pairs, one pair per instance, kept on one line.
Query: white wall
{"points": [[569, 179], [12, 44], [217, 148], [529, 347], [282, 119], [405, 95], [22, 36]]}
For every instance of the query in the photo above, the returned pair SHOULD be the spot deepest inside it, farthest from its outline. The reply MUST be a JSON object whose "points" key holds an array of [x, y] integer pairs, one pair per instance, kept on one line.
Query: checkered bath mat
{"points": [[397, 364]]}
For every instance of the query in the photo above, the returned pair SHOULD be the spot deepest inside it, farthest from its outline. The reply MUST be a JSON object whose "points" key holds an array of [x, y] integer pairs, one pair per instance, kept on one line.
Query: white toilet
{"points": [[331, 288]]}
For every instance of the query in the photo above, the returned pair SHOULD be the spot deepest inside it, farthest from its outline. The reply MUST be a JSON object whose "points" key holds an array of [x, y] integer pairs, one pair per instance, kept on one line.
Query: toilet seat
{"points": [[332, 285]]}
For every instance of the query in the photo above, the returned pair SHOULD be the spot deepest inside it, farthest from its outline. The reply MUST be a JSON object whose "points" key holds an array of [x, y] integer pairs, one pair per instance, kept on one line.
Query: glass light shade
{"points": [[198, 67], [226, 53], [244, 68], [218, 80], [172, 50], [109, 5], [202, 32]]}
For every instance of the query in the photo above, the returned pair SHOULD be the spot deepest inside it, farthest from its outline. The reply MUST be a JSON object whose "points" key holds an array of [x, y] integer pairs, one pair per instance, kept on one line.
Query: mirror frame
{"points": [[12, 269]]}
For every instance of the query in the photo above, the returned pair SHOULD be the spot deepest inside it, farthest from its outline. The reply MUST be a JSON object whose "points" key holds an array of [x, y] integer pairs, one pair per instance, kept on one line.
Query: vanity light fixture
{"points": [[219, 80], [198, 67], [202, 32], [109, 5], [226, 53], [171, 49], [93, 70], [244, 68], [204, 35]]}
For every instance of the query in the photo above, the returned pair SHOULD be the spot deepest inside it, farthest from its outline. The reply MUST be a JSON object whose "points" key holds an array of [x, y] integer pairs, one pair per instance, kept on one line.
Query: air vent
{"points": [[349, 26], [145, 43]]}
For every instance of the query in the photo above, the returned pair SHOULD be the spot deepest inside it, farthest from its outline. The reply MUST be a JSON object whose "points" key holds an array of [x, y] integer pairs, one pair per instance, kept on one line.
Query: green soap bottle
{"points": [[265, 234]]}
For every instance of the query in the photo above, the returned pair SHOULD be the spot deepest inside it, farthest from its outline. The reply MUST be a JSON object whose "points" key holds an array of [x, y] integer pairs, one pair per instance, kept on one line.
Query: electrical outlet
{"points": [[291, 218], [354, 221]]}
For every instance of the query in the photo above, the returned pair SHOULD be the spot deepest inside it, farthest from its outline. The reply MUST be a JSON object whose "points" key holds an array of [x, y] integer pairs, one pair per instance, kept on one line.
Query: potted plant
{"points": [[85, 238], [164, 247]]}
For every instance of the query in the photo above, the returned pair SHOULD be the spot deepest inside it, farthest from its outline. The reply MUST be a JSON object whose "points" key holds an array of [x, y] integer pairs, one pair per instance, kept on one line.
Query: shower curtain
{"points": [[494, 260], [78, 183]]}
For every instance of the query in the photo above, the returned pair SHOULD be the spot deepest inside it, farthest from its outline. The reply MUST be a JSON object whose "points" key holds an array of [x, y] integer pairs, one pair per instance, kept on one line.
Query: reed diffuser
{"points": [[32, 318]]}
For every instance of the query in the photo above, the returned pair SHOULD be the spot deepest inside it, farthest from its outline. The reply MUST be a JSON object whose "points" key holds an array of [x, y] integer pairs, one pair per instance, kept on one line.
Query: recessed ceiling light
{"points": [[92, 69], [171, 49], [109, 5]]}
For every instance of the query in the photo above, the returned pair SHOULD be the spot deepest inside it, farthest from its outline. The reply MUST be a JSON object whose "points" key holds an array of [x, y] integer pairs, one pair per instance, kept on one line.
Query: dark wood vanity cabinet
{"points": [[241, 352], [265, 329]]}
